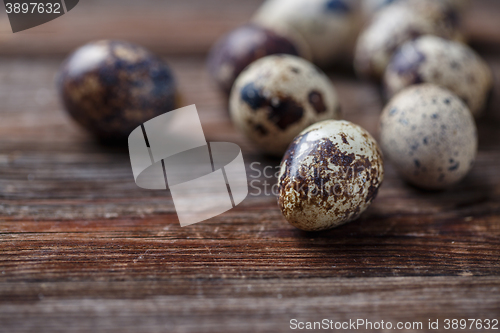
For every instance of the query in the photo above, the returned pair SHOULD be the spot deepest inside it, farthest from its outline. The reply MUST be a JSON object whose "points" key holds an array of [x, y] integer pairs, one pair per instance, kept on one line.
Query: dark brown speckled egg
{"points": [[111, 87], [329, 176], [242, 46]]}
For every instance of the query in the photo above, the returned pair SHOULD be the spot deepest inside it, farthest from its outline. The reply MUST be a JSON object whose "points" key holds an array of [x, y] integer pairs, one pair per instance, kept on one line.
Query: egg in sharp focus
{"points": [[111, 87], [329, 175], [278, 96], [396, 24], [429, 135], [232, 53], [451, 65], [329, 26]]}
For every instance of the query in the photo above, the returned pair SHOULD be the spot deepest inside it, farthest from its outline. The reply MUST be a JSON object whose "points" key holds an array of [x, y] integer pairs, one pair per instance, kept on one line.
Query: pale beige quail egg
{"points": [[329, 175], [429, 135], [278, 96], [329, 26], [449, 64]]}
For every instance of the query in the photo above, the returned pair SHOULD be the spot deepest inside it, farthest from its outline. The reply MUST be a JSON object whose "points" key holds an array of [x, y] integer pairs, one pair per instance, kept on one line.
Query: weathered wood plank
{"points": [[243, 305]]}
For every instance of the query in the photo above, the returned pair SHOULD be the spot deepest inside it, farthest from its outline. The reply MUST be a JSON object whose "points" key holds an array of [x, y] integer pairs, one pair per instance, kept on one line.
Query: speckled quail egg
{"points": [[239, 48], [278, 96], [111, 87], [329, 175], [449, 64], [429, 135], [396, 24], [370, 7], [329, 26]]}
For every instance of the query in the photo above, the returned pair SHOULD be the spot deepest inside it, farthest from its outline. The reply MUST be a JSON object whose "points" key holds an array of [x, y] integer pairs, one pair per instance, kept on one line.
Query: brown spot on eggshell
{"points": [[261, 129], [316, 99], [285, 112], [344, 139]]}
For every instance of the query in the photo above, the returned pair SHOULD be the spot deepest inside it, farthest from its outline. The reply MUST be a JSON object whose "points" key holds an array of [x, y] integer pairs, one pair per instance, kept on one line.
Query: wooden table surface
{"points": [[82, 248]]}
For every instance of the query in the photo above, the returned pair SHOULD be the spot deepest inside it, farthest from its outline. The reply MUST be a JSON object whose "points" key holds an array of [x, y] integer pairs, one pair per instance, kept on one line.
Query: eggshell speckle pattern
{"points": [[329, 26], [277, 97], [452, 65], [329, 175], [239, 48], [396, 24], [429, 135], [111, 87]]}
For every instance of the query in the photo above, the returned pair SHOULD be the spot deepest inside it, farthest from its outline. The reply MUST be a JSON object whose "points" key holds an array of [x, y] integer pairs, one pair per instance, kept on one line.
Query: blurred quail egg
{"points": [[278, 96], [429, 135], [329, 175], [451, 65], [111, 87], [370, 7], [329, 26], [236, 50], [396, 24]]}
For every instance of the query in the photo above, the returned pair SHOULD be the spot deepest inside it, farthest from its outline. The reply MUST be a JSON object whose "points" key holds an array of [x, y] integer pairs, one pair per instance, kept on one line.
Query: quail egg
{"points": [[236, 50], [449, 64], [329, 175], [396, 24], [111, 87], [329, 26], [429, 135], [370, 7], [278, 96]]}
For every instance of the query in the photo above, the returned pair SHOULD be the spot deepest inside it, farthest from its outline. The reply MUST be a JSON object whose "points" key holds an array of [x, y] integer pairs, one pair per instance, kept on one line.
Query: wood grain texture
{"points": [[243, 305], [82, 248]]}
